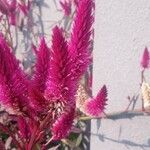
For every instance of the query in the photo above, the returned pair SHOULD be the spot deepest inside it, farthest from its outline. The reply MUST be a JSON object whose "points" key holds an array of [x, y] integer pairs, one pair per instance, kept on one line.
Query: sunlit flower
{"points": [[145, 59], [46, 102], [66, 6], [95, 106]]}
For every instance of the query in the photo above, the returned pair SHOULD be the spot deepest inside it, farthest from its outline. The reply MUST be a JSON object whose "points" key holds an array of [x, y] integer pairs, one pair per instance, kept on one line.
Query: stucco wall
{"points": [[122, 31]]}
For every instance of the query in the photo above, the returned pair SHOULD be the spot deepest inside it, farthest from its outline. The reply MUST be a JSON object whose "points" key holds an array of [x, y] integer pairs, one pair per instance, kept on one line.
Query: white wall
{"points": [[122, 30]]}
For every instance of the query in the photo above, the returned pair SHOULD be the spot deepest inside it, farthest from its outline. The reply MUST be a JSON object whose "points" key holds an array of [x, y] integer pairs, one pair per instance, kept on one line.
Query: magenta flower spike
{"points": [[46, 103], [13, 82], [80, 43], [62, 127], [95, 106], [41, 66], [58, 70], [24, 8], [66, 6], [57, 91], [3, 7], [145, 59]]}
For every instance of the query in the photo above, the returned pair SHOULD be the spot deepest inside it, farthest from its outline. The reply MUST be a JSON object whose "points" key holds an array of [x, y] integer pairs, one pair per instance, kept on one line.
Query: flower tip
{"points": [[95, 106], [145, 59]]}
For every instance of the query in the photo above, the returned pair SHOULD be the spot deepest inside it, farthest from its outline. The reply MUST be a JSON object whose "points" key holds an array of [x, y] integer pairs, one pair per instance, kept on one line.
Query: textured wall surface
{"points": [[122, 31]]}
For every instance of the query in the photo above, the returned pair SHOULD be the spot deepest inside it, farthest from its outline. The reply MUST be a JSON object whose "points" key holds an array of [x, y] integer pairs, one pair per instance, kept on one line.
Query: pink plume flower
{"points": [[24, 8], [62, 127], [11, 5], [41, 66], [95, 106], [3, 7], [13, 82], [145, 58], [60, 88], [80, 43], [51, 92], [76, 2], [12, 9], [56, 83], [66, 6]]}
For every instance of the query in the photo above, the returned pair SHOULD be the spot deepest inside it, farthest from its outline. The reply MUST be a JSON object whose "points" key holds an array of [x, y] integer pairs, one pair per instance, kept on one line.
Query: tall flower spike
{"points": [[66, 6], [145, 59], [13, 83], [3, 8], [58, 87], [40, 77], [63, 125], [41, 66], [56, 84], [95, 106], [12, 12], [80, 43]]}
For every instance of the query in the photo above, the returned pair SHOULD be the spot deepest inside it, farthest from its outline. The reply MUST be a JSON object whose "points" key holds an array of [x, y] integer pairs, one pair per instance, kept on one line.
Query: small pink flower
{"points": [[145, 58], [95, 106], [62, 127], [66, 6]]}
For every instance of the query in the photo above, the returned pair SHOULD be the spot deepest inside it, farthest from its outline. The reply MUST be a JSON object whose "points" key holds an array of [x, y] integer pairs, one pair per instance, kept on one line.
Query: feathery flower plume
{"points": [[40, 76], [80, 43], [12, 11], [76, 2], [3, 7], [58, 83], [95, 106], [62, 127], [74, 61], [145, 58], [12, 8], [66, 6], [13, 83], [41, 66], [52, 90]]}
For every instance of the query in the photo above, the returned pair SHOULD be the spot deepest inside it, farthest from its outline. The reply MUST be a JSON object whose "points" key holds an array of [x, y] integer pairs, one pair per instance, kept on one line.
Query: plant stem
{"points": [[113, 114]]}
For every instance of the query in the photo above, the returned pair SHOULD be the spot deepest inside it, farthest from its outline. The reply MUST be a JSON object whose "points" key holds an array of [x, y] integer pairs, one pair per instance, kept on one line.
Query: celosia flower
{"points": [[91, 106], [66, 6], [145, 89], [80, 43], [47, 101], [11, 8], [13, 82], [145, 59], [58, 89], [76, 2], [62, 126], [95, 106], [42, 66]]}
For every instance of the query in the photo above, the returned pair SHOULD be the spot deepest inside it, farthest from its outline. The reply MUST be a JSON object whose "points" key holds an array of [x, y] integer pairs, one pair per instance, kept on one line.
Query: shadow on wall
{"points": [[127, 143]]}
